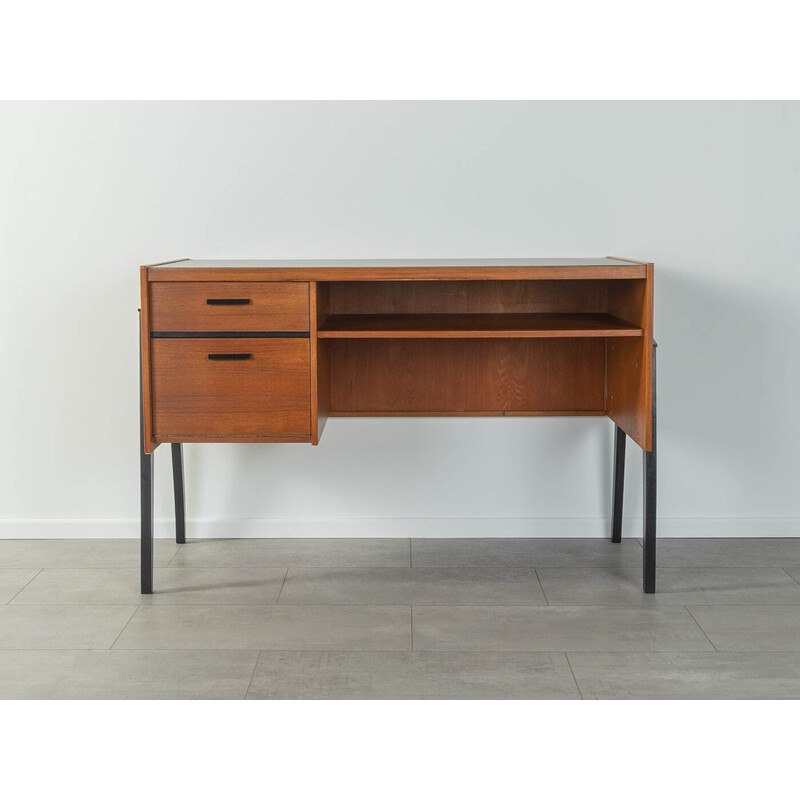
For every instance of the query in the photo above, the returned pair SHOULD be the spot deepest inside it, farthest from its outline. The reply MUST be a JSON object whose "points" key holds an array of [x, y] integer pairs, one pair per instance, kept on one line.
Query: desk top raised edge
{"points": [[394, 269]]}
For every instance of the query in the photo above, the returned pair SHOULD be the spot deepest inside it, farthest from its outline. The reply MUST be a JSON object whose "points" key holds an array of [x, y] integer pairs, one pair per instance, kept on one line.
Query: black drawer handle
{"points": [[228, 301], [229, 356]]}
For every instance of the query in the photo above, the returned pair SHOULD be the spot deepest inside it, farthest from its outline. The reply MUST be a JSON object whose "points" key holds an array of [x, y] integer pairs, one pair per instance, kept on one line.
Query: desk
{"points": [[266, 351]]}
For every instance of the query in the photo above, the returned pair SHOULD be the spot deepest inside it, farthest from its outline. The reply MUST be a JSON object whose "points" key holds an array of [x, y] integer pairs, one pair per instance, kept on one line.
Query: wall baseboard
{"points": [[420, 528]]}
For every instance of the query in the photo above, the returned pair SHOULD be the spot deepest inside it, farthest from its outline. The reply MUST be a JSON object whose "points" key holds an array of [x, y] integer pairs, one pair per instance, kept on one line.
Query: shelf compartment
{"points": [[474, 326], [496, 376]]}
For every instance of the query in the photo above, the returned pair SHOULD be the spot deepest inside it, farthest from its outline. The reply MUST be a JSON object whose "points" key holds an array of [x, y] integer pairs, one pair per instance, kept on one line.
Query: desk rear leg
{"points": [[649, 576], [177, 483], [620, 440]]}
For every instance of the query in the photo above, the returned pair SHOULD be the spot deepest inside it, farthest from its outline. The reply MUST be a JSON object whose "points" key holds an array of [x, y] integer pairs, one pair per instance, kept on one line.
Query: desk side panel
{"points": [[629, 362], [319, 294]]}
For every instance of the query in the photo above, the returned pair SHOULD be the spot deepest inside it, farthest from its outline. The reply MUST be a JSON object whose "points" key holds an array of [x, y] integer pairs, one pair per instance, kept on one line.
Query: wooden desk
{"points": [[266, 351]]}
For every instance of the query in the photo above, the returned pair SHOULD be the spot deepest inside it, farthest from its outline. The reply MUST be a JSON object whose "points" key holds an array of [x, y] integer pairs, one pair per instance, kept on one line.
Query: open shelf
{"points": [[473, 326]]}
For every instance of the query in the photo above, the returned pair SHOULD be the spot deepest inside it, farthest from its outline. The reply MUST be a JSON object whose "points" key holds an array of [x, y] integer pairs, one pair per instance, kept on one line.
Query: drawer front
{"points": [[231, 387], [177, 306]]}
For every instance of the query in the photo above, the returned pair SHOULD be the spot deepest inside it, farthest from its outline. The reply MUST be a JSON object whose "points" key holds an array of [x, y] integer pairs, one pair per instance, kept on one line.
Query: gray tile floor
{"points": [[393, 618]]}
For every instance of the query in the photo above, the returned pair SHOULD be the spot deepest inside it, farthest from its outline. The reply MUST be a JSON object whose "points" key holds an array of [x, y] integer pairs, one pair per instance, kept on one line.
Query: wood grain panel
{"points": [[468, 297], [271, 307], [467, 375], [266, 395], [627, 300], [629, 362]]}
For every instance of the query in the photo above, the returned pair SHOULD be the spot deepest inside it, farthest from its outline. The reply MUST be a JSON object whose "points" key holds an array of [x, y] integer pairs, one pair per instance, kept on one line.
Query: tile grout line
{"points": [[412, 627], [253, 674], [341, 650], [38, 573], [572, 672], [135, 611], [544, 594], [175, 555], [791, 576], [701, 628], [283, 583]]}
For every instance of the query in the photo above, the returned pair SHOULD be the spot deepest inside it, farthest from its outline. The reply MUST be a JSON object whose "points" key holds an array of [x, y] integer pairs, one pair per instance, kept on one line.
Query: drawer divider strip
{"points": [[229, 334]]}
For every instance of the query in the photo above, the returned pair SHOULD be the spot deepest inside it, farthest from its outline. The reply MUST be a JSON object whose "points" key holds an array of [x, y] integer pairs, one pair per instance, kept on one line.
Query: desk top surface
{"points": [[400, 263], [393, 269]]}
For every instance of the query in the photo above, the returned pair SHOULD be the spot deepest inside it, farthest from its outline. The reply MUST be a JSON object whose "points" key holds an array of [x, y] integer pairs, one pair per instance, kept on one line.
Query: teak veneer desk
{"points": [[266, 351]]}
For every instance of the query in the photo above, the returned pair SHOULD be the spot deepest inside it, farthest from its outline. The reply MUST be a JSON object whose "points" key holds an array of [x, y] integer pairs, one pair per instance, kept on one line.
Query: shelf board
{"points": [[473, 326]]}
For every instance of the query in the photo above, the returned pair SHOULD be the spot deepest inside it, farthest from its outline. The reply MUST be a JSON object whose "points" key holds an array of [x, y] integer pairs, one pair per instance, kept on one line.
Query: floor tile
{"points": [[125, 674], [687, 676], [268, 628], [61, 553], [728, 552], [437, 585], [294, 552], [750, 628], [555, 628], [412, 676], [13, 580], [681, 586], [172, 586], [61, 627], [525, 553]]}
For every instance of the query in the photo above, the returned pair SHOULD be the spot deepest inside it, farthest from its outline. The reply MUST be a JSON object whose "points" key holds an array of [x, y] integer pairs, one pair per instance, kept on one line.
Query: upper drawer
{"points": [[228, 306]]}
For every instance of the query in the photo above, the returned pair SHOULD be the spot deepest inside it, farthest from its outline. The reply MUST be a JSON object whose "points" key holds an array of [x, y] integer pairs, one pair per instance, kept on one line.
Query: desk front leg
{"points": [[146, 492], [147, 522]]}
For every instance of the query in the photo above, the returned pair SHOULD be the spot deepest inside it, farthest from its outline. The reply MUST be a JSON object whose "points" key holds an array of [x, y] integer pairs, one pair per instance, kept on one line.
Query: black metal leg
{"points": [[649, 577], [177, 482], [619, 483], [146, 473]]}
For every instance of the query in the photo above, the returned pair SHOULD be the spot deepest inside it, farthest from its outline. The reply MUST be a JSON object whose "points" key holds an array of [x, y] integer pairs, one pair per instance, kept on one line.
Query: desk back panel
{"points": [[463, 376], [467, 297]]}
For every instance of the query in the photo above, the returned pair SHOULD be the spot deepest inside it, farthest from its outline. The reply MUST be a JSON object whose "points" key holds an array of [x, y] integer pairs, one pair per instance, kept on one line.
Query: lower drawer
{"points": [[231, 387]]}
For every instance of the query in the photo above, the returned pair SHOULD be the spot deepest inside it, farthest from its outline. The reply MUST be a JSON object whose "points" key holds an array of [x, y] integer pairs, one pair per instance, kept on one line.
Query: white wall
{"points": [[708, 191]]}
